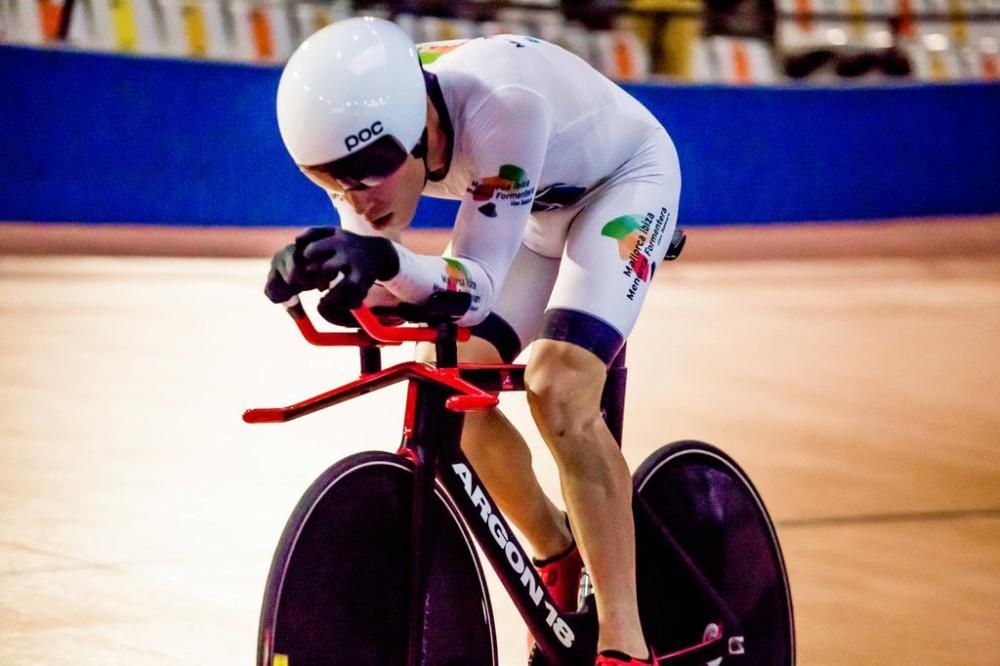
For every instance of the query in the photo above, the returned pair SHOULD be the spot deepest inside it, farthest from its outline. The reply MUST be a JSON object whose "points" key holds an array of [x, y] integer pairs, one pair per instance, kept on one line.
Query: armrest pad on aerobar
{"points": [[442, 307], [374, 329]]}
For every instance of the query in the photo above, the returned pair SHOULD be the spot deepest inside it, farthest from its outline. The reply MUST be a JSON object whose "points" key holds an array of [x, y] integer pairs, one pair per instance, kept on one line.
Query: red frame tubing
{"points": [[410, 415], [373, 331], [470, 396]]}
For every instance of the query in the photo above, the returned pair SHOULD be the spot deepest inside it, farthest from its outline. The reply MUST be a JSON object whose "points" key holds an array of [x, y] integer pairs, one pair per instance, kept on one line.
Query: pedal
{"points": [[676, 245], [586, 589], [712, 632]]}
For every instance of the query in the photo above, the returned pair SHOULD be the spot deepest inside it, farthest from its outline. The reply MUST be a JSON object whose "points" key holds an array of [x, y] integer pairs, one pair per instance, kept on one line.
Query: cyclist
{"points": [[569, 190]]}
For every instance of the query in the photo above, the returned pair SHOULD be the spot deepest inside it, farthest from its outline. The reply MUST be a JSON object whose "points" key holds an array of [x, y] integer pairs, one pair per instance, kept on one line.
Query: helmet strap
{"points": [[444, 119], [420, 152]]}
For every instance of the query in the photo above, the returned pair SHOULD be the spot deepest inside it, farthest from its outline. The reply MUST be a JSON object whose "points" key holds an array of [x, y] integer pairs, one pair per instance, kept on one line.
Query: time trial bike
{"points": [[378, 564]]}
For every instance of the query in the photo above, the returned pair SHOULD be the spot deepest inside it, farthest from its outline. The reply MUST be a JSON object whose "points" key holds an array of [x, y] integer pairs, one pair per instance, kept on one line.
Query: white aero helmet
{"points": [[352, 100]]}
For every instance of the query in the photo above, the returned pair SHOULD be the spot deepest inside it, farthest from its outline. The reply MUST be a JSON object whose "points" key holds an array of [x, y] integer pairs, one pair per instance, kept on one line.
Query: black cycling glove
{"points": [[290, 274], [349, 264]]}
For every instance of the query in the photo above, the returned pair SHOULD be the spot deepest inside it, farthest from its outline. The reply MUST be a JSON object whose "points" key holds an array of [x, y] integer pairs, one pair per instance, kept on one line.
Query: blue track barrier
{"points": [[105, 138]]}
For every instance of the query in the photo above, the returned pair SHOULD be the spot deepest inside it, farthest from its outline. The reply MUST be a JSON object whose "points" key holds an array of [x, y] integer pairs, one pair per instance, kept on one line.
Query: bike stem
{"points": [[432, 429]]}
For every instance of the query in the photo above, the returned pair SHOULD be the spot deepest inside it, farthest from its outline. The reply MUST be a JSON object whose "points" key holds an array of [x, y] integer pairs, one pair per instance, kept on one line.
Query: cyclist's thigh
{"points": [[612, 252], [516, 317]]}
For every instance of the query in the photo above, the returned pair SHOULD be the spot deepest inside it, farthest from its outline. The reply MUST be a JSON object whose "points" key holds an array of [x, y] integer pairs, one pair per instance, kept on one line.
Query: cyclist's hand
{"points": [[381, 301], [338, 316], [290, 273], [350, 264]]}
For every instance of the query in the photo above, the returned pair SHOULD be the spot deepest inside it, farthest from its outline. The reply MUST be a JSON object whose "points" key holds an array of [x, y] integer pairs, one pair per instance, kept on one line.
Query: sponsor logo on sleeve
{"points": [[456, 276], [510, 186]]}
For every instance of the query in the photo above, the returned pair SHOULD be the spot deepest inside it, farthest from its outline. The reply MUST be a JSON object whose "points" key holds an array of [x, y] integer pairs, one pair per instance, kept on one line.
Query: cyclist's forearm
{"points": [[421, 275]]}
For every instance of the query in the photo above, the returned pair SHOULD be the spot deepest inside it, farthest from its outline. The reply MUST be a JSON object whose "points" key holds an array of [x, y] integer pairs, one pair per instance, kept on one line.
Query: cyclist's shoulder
{"points": [[459, 53], [473, 73], [498, 59]]}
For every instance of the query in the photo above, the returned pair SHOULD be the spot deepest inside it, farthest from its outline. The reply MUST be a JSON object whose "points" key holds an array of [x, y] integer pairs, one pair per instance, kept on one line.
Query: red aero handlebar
{"points": [[469, 396], [374, 331]]}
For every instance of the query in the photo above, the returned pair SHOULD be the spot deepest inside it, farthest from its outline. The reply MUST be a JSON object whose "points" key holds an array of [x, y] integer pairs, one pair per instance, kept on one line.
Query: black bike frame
{"points": [[431, 439]]}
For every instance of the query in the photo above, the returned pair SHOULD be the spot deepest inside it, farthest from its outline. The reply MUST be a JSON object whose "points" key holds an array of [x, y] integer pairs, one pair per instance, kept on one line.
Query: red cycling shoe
{"points": [[561, 576]]}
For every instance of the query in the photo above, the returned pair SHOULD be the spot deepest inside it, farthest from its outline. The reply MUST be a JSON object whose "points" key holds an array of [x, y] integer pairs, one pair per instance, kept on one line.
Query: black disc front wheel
{"points": [[694, 495], [338, 590]]}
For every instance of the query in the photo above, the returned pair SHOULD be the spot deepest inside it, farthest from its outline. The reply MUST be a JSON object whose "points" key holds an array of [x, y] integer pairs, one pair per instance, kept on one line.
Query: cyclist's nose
{"points": [[359, 201]]}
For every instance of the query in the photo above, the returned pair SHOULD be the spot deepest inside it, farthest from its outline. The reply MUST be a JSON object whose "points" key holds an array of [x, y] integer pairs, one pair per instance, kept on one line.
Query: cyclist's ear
{"points": [[420, 150]]}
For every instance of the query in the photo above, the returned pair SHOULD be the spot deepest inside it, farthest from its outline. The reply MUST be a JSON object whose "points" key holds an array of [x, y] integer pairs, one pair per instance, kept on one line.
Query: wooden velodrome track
{"points": [[854, 371]]}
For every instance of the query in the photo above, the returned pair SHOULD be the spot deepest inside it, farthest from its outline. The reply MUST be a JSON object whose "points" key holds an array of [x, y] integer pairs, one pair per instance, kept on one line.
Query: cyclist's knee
{"points": [[564, 384]]}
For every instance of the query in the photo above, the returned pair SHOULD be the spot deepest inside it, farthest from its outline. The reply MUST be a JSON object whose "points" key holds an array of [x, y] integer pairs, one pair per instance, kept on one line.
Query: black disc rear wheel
{"points": [[717, 517], [338, 590]]}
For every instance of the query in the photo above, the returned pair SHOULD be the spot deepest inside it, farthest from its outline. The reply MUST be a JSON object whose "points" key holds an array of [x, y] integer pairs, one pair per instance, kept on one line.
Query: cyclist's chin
{"points": [[391, 224], [383, 223], [387, 223], [402, 191], [399, 217]]}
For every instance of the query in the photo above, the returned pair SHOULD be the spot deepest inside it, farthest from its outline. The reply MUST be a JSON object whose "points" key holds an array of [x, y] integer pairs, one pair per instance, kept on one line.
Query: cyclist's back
{"points": [[596, 126]]}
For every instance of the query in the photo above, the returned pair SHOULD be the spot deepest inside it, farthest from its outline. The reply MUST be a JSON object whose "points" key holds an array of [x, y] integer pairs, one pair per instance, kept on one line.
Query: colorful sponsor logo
{"points": [[627, 230], [510, 186], [456, 275], [639, 237], [511, 179]]}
